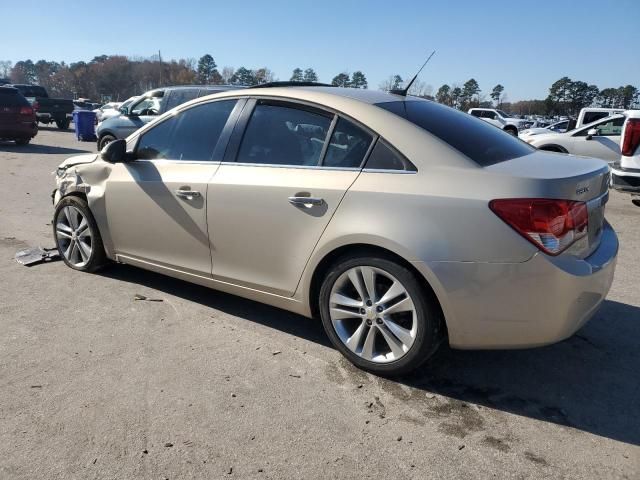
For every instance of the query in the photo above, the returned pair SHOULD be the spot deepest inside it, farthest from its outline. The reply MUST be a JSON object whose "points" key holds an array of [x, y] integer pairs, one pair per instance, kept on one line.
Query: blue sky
{"points": [[523, 45]]}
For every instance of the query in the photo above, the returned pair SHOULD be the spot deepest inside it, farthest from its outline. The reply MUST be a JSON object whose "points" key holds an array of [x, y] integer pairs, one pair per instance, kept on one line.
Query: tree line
{"points": [[118, 77], [566, 97]]}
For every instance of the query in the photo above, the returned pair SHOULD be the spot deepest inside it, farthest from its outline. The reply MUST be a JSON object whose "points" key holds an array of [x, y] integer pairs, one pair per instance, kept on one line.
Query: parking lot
{"points": [[97, 384]]}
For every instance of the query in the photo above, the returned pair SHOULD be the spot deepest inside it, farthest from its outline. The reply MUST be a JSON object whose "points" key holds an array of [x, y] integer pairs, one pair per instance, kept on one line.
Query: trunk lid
{"points": [[563, 177]]}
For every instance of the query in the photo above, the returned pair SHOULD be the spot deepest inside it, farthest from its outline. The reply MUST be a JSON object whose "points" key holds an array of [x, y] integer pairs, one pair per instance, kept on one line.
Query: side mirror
{"points": [[591, 133], [124, 111], [115, 152]]}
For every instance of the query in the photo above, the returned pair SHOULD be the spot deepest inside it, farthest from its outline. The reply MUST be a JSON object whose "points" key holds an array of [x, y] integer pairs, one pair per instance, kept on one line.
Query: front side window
{"points": [[478, 140], [147, 106], [348, 146], [191, 135], [489, 115], [284, 135], [502, 114], [609, 128]]}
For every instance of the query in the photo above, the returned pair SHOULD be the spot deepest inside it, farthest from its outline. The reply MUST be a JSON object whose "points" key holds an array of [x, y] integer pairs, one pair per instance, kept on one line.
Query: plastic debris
{"points": [[33, 256]]}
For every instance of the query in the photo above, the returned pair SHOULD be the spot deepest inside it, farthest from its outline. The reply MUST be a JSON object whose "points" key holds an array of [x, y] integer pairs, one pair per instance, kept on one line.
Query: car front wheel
{"points": [[77, 236], [377, 314], [104, 141]]}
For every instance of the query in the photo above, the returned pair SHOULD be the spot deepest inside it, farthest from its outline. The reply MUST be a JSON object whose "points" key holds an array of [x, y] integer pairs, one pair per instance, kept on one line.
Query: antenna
{"points": [[404, 90]]}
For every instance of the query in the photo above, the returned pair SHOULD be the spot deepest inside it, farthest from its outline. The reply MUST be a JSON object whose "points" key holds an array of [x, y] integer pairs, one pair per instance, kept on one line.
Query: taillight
{"points": [[631, 138], [35, 106], [26, 111], [551, 225]]}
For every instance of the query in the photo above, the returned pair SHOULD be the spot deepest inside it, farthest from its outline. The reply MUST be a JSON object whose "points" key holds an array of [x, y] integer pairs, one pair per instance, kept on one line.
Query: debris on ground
{"points": [[137, 296], [168, 444], [33, 256], [277, 352], [294, 376]]}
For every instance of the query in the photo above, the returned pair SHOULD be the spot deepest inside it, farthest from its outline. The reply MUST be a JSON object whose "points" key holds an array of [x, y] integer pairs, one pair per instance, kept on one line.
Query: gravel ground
{"points": [[94, 384]]}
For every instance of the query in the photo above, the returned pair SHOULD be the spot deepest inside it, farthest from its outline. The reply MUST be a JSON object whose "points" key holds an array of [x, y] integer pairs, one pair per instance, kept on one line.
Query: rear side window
{"points": [[478, 140], [191, 135], [11, 98], [593, 116], [180, 96], [348, 146], [32, 91], [384, 157], [283, 135], [476, 113]]}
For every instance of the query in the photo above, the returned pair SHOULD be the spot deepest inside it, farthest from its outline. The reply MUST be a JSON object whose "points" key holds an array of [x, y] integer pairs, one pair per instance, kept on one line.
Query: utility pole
{"points": [[160, 59]]}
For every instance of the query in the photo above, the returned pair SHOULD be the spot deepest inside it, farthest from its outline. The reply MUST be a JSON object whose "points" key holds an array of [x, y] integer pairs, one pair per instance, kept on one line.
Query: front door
{"points": [[604, 145], [159, 199], [268, 205]]}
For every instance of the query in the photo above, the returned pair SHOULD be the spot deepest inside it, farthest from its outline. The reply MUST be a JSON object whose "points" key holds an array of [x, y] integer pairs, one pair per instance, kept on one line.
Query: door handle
{"points": [[188, 194], [304, 201]]}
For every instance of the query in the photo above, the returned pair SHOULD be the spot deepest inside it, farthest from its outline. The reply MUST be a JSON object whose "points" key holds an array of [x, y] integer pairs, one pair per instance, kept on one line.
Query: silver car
{"points": [[400, 222]]}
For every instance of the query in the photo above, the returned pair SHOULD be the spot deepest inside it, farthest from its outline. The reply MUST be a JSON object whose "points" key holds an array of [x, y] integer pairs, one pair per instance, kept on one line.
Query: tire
{"points": [[22, 141], [511, 131], [88, 255], [104, 141], [636, 202], [420, 334], [63, 124]]}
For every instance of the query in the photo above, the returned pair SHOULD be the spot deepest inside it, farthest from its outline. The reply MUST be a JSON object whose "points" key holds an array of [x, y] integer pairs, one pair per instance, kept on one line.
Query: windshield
{"points": [[503, 114], [480, 141]]}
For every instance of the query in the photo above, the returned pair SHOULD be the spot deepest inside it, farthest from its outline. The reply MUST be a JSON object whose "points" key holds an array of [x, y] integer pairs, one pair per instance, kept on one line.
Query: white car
{"points": [[500, 119], [600, 139], [107, 107], [558, 127], [114, 112], [625, 174]]}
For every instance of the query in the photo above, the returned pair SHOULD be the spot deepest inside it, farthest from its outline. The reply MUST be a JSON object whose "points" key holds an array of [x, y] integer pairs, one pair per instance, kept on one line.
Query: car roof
{"points": [[221, 88], [366, 96]]}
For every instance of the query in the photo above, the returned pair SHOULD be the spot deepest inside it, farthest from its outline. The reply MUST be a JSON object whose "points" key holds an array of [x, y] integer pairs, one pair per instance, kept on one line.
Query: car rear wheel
{"points": [[511, 131], [22, 141], [77, 236], [63, 124], [378, 315], [104, 141]]}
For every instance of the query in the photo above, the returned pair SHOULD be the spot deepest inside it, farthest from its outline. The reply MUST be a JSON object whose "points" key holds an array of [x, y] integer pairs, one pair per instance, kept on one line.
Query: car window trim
{"points": [[393, 150]]}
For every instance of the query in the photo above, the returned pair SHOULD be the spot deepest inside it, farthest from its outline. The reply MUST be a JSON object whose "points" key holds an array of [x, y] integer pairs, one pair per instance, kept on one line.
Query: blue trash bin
{"points": [[84, 124]]}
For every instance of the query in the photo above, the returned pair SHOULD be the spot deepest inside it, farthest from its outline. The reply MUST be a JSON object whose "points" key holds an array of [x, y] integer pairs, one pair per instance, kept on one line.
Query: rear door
{"points": [[283, 177]]}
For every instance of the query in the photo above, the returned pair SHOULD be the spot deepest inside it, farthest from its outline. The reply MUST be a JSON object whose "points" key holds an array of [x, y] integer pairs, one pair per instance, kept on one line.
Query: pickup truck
{"points": [[500, 119], [625, 173], [48, 110]]}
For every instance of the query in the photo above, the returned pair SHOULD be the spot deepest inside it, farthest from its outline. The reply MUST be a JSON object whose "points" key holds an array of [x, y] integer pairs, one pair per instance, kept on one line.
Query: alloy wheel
{"points": [[373, 314], [74, 237]]}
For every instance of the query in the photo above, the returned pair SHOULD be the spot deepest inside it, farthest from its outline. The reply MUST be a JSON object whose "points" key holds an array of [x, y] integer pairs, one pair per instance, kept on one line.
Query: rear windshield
{"points": [[32, 91], [11, 98], [480, 141]]}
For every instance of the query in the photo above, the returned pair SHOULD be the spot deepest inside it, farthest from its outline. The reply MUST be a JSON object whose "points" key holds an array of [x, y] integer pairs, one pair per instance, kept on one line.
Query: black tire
{"points": [[104, 141], [636, 202], [511, 131], [98, 258], [429, 333], [22, 141], [63, 124]]}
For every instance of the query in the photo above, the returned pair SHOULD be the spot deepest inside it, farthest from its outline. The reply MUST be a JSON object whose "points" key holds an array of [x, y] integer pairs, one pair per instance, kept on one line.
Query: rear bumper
{"points": [[19, 130], [520, 305], [625, 179]]}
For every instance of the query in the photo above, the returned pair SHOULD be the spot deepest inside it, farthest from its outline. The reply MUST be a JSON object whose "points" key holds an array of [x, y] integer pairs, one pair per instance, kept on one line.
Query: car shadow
{"points": [[42, 149], [588, 382]]}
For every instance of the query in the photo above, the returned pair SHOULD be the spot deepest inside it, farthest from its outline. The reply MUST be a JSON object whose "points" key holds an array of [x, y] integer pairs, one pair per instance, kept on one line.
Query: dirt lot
{"points": [[94, 384]]}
